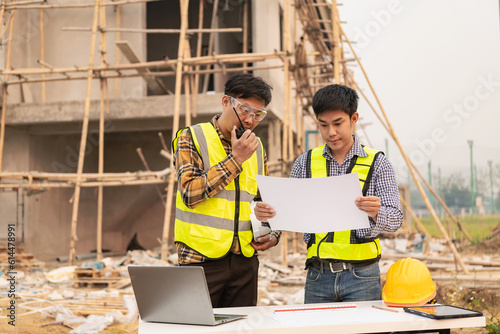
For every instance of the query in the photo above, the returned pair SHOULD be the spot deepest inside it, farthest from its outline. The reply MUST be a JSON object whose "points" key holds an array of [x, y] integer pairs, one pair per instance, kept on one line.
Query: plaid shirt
{"points": [[383, 185], [196, 186]]}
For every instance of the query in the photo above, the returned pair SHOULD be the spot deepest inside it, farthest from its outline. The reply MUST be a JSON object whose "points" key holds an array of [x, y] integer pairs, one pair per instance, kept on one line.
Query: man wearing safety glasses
{"points": [[216, 164]]}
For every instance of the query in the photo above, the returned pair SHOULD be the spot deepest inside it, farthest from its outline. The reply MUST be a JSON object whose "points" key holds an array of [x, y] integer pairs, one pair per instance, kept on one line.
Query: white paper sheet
{"points": [[314, 205], [333, 317]]}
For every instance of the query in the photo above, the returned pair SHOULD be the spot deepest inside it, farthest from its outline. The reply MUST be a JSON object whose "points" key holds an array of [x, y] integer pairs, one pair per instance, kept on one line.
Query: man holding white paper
{"points": [[343, 265]]}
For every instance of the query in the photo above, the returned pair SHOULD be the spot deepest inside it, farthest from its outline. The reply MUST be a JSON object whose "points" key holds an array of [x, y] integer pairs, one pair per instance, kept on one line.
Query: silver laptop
{"points": [[177, 294]]}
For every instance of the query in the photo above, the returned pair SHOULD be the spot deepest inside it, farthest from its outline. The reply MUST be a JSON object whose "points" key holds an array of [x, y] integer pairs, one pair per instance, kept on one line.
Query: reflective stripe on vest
{"points": [[338, 245], [210, 227]]}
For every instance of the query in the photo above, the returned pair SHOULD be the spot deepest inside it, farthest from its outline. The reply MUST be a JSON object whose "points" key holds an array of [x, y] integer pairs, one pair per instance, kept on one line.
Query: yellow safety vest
{"points": [[338, 246], [211, 226]]}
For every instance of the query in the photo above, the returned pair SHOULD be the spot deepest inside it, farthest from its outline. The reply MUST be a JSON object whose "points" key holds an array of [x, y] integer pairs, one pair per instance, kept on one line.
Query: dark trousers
{"points": [[232, 280]]}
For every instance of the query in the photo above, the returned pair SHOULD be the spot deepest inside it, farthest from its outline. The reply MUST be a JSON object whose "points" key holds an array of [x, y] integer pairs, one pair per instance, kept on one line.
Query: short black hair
{"points": [[335, 97], [245, 85]]}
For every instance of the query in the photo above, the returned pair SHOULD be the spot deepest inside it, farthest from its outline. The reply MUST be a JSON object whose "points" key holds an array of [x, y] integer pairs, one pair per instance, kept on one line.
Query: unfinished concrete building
{"points": [[94, 90], [44, 113]]}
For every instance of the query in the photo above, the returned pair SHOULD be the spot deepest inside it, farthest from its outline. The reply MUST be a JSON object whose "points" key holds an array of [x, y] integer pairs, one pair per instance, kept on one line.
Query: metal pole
{"points": [[470, 142], [440, 191], [430, 182], [490, 162], [476, 192], [386, 148]]}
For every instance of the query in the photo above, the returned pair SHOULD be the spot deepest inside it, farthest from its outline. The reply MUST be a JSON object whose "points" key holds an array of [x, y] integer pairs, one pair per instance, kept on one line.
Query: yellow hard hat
{"points": [[408, 283]]}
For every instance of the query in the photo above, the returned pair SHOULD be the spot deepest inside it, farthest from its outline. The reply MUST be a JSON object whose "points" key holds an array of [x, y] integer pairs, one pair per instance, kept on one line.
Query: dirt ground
{"points": [[490, 246], [32, 324], [486, 300]]}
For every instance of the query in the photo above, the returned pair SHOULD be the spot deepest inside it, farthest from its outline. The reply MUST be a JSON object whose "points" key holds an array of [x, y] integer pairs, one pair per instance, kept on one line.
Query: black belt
{"points": [[336, 267]]}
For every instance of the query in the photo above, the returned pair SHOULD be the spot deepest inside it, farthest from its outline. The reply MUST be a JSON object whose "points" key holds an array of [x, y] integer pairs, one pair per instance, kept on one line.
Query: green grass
{"points": [[478, 227]]}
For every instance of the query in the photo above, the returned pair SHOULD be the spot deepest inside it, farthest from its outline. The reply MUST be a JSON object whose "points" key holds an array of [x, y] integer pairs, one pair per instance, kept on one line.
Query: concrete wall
{"points": [[64, 49], [166, 15], [267, 39], [46, 136], [127, 210], [15, 159], [159, 110]]}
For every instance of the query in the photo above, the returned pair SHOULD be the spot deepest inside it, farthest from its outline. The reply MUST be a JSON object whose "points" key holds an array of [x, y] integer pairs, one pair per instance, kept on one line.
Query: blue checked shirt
{"points": [[383, 185]]}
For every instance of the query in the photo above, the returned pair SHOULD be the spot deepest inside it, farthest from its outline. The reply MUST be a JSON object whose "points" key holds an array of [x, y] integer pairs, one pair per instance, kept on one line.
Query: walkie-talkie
{"points": [[240, 131]]}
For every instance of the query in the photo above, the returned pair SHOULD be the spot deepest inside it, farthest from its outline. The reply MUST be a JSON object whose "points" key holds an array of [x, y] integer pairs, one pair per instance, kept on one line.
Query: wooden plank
{"points": [[281, 268], [184, 6], [410, 165], [439, 259], [83, 139], [154, 84]]}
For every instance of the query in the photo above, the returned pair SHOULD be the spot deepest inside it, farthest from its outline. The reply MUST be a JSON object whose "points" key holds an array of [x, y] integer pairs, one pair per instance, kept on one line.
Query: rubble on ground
{"points": [[86, 298], [93, 295]]}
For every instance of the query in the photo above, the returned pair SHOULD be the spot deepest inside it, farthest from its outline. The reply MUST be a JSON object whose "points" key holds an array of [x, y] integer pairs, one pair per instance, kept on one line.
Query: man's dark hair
{"points": [[335, 97], [246, 85]]}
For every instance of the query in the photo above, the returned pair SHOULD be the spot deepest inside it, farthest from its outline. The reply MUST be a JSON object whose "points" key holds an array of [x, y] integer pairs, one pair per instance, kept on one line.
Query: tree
{"points": [[496, 175], [456, 191], [483, 182]]}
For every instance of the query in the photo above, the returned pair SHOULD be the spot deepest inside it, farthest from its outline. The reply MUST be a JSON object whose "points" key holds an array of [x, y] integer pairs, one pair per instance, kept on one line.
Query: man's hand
{"points": [[370, 205], [244, 147], [263, 212], [264, 242]]}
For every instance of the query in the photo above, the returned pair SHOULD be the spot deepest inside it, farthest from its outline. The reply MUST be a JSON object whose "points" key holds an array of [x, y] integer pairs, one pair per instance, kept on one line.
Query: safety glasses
{"points": [[245, 110]]}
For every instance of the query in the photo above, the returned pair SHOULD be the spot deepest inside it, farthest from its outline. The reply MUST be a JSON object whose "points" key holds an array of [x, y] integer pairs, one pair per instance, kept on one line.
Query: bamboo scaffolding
{"points": [[298, 114], [414, 216], [187, 83], [298, 125], [448, 225], [6, 81], [154, 85], [336, 44], [443, 204], [245, 29], [85, 176], [441, 201], [83, 141], [150, 74], [329, 65], [78, 180], [406, 228], [165, 152], [184, 5], [2, 14], [103, 105], [210, 42], [20, 3], [159, 31], [117, 49], [71, 184], [146, 165], [199, 40], [234, 58], [100, 191], [287, 133], [42, 51], [408, 163], [73, 6]]}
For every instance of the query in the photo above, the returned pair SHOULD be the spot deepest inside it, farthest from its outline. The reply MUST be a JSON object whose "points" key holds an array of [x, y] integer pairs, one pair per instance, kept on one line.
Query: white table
{"points": [[362, 319]]}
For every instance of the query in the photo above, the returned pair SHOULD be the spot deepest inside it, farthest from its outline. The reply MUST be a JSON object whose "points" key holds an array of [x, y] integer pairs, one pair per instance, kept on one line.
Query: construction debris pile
{"points": [[280, 284], [84, 299], [94, 295]]}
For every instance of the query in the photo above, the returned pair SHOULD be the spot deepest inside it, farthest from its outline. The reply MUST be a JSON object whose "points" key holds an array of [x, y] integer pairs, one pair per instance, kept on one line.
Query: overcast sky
{"points": [[435, 66]]}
